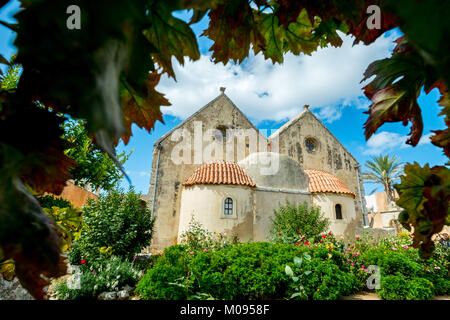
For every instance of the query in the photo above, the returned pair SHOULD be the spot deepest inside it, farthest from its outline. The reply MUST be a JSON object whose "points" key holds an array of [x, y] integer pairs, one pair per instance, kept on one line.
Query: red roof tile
{"points": [[220, 173], [320, 181]]}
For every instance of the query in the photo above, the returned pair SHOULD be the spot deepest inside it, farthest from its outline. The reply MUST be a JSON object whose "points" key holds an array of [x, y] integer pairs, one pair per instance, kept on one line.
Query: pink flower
{"points": [[405, 247], [134, 258], [204, 250], [362, 266], [437, 268], [348, 260], [353, 263], [365, 270], [348, 249], [192, 252], [393, 249], [324, 236]]}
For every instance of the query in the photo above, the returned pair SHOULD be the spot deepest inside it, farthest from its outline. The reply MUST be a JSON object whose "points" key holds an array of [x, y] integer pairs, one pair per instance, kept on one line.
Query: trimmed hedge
{"points": [[244, 271]]}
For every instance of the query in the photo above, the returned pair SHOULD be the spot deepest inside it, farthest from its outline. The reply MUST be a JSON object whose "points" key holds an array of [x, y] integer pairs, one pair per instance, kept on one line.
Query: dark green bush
{"points": [[398, 287], [117, 224], [170, 266], [329, 282], [258, 271], [244, 271], [291, 222]]}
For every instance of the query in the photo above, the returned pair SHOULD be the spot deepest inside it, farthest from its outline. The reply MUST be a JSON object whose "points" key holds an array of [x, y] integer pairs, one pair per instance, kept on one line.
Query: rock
{"points": [[128, 289], [107, 296], [12, 290], [123, 295], [143, 257]]}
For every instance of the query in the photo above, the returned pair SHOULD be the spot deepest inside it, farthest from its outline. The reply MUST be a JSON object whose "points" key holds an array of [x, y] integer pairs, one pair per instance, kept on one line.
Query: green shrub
{"points": [[117, 224], [196, 237], [291, 222], [398, 287], [244, 271], [169, 267], [107, 275]]}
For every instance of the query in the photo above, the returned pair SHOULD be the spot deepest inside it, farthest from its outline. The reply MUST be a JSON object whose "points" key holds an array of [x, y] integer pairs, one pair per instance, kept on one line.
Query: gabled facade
{"points": [[220, 132]]}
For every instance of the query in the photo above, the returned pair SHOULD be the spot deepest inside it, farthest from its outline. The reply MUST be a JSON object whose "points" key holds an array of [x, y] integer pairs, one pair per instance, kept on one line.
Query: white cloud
{"points": [[389, 141], [328, 80], [138, 173]]}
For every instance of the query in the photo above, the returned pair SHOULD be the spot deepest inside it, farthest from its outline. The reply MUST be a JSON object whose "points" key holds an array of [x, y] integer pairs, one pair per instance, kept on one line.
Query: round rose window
{"points": [[311, 144]]}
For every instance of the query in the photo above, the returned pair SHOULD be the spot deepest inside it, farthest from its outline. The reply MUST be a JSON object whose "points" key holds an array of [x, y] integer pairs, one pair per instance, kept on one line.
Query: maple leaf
{"points": [[22, 222], [142, 107], [441, 138], [422, 23], [424, 193], [393, 104], [394, 91], [170, 37], [232, 28], [297, 38]]}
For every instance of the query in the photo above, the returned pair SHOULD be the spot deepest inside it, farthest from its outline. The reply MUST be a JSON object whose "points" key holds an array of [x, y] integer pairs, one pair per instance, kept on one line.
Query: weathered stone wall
{"points": [[210, 212], [340, 227], [220, 112], [330, 155], [266, 202]]}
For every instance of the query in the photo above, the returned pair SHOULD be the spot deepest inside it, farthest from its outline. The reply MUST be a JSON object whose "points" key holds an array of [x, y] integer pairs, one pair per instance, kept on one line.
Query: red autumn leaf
{"points": [[141, 108]]}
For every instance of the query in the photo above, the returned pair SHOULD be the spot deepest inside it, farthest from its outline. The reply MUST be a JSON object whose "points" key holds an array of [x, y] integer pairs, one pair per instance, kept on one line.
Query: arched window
{"points": [[228, 207], [221, 133], [338, 209]]}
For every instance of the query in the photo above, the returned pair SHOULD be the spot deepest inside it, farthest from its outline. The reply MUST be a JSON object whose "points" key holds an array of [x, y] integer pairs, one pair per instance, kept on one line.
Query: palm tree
{"points": [[384, 170]]}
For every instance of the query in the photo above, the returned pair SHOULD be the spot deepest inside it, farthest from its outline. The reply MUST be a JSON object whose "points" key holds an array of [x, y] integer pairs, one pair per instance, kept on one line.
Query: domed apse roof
{"points": [[321, 182], [220, 173]]}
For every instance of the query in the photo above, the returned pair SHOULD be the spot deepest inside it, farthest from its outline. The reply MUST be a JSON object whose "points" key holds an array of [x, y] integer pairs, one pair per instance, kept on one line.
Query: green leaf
{"points": [[298, 261], [297, 38], [170, 37], [232, 27], [297, 294], [289, 271]]}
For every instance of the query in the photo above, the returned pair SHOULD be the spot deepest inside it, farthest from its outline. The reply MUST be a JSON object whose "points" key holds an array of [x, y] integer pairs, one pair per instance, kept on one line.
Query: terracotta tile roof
{"points": [[220, 173], [320, 181]]}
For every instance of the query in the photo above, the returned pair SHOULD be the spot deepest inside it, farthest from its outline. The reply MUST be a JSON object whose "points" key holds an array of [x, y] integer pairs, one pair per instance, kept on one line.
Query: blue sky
{"points": [[270, 95]]}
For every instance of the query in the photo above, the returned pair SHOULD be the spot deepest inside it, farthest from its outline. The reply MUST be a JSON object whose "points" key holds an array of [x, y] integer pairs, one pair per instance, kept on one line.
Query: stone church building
{"points": [[218, 167]]}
